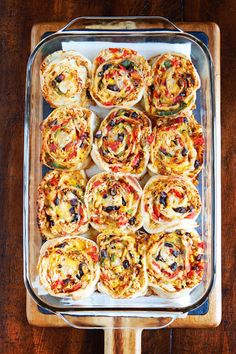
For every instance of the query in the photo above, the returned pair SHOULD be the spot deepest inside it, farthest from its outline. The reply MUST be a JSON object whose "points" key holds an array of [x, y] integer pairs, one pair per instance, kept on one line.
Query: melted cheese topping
{"points": [[174, 85], [123, 265], [166, 201], [119, 77], [69, 266], [61, 208], [113, 201], [122, 143], [65, 78], [174, 262], [177, 147], [67, 136]]}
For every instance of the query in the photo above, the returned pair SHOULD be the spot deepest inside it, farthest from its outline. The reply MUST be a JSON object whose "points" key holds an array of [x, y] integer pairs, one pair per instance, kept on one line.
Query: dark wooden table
{"points": [[17, 18]]}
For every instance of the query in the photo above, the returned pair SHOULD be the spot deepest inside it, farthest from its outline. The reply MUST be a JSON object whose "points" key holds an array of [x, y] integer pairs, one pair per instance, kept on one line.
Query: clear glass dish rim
{"points": [[169, 33]]}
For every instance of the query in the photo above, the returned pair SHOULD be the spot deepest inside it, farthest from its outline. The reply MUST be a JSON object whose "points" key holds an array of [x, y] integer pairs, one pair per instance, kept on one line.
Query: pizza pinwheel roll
{"points": [[67, 136], [123, 265], [169, 201], [119, 77], [177, 147], [174, 85], [121, 143], [65, 77], [174, 262], [61, 207], [68, 266], [113, 201]]}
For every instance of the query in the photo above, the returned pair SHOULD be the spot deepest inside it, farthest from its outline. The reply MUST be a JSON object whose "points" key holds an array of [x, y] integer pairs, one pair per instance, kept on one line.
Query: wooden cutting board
{"points": [[213, 317]]}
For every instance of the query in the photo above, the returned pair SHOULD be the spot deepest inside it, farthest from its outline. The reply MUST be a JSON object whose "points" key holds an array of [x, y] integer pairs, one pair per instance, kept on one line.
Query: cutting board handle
{"points": [[125, 339], [122, 341]]}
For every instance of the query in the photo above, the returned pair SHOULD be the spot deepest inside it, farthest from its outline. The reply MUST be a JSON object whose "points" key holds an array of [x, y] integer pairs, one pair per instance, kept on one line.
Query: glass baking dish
{"points": [[143, 35]]}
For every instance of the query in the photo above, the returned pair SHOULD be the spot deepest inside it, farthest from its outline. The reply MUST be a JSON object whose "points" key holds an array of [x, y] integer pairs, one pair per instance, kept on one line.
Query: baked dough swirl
{"points": [[174, 85], [123, 265], [61, 207], [168, 202], [65, 78], [113, 202], [174, 262], [69, 266], [119, 77], [121, 143], [67, 136], [177, 147]]}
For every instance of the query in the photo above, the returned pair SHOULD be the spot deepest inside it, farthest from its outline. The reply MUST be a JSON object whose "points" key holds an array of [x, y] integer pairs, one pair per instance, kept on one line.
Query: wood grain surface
{"points": [[17, 18]]}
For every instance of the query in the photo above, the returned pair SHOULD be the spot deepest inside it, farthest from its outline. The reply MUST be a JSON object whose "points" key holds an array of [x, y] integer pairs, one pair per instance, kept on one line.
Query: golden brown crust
{"points": [[169, 202], [113, 202], [67, 136], [65, 78], [121, 143], [61, 207], [174, 85], [123, 265], [68, 266], [177, 147], [174, 262], [119, 77]]}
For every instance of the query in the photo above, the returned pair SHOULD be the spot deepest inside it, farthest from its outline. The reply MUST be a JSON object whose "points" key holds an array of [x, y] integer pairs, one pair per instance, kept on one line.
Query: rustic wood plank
{"points": [[16, 21]]}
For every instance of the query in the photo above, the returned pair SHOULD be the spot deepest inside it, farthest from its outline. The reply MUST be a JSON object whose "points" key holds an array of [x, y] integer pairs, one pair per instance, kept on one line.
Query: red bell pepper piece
{"points": [[97, 183], [73, 154], [156, 212], [114, 145], [53, 147], [114, 50], [199, 140], [94, 256], [178, 194], [115, 169], [68, 146], [190, 216], [55, 127], [136, 159], [201, 244], [150, 138], [53, 181], [178, 99], [100, 60]]}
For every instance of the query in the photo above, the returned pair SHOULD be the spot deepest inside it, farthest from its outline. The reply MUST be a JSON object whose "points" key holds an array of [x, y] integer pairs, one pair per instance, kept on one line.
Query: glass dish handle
{"points": [[123, 19], [121, 336]]}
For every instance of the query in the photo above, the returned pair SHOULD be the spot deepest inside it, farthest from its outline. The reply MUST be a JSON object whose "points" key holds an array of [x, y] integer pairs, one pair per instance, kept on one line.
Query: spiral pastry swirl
{"points": [[65, 78], [174, 85], [123, 265], [119, 77], [61, 207], [174, 262], [121, 143], [177, 147], [169, 202], [113, 201], [69, 266], [67, 136]]}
